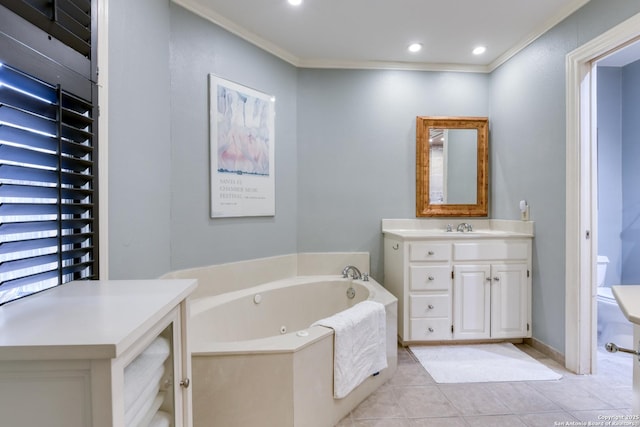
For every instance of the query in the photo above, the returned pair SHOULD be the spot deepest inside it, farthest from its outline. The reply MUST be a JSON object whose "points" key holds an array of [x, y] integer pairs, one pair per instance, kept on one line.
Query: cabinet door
{"points": [[509, 301], [471, 301]]}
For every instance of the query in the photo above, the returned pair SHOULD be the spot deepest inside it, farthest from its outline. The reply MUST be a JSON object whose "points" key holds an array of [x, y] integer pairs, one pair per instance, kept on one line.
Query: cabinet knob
{"points": [[430, 329], [185, 383], [431, 278], [430, 306], [488, 279], [430, 253], [497, 279], [396, 246]]}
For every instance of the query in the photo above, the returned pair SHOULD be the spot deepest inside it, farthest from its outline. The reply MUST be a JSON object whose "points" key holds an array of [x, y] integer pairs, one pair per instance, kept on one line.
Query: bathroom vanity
{"points": [[459, 285], [97, 353]]}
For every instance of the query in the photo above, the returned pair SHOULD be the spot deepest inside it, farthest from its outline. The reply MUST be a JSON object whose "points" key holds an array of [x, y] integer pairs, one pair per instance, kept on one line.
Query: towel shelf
{"points": [[107, 353]]}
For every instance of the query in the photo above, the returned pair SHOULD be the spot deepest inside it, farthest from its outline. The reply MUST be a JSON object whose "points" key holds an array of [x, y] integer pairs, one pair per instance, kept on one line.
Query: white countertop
{"points": [[628, 297], [440, 234], [436, 228], [86, 319]]}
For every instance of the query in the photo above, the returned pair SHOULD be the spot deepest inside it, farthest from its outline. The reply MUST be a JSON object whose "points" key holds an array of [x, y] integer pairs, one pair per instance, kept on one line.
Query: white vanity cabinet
{"points": [[97, 353], [419, 275], [491, 301], [459, 286]]}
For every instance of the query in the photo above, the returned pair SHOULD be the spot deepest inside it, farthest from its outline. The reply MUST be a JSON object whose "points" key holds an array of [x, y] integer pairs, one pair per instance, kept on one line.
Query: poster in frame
{"points": [[242, 148]]}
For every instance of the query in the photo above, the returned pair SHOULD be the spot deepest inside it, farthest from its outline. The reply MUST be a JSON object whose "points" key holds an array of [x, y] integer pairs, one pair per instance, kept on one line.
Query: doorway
{"points": [[581, 203]]}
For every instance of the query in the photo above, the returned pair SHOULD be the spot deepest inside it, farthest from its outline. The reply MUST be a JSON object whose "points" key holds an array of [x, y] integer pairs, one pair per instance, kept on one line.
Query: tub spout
{"points": [[355, 273]]}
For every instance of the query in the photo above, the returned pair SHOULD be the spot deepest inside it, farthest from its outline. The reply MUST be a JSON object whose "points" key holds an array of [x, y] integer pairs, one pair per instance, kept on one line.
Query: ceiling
{"points": [[376, 33]]}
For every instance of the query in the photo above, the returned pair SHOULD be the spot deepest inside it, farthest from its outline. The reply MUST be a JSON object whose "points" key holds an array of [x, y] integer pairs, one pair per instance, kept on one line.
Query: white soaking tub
{"points": [[257, 362]]}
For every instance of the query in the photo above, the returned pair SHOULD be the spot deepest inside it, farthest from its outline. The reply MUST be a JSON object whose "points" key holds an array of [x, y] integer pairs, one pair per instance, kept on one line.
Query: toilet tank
{"points": [[602, 269]]}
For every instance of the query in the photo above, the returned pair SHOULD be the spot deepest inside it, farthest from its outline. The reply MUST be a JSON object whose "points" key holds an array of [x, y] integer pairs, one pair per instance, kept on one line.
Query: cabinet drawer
{"points": [[430, 278], [490, 251], [430, 329], [429, 305], [429, 251]]}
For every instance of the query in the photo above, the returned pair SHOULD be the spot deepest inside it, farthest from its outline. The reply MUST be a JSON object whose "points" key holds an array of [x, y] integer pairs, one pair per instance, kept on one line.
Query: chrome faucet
{"points": [[355, 273], [464, 226]]}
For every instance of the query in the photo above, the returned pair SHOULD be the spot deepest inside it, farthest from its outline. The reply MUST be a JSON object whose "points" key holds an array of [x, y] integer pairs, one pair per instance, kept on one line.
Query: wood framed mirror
{"points": [[452, 156]]}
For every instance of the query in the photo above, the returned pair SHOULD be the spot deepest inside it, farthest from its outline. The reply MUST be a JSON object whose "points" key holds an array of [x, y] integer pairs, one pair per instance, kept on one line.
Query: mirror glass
{"points": [[451, 166]]}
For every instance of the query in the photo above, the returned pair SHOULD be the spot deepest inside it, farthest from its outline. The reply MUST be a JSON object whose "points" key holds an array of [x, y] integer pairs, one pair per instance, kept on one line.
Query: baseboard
{"points": [[545, 349]]}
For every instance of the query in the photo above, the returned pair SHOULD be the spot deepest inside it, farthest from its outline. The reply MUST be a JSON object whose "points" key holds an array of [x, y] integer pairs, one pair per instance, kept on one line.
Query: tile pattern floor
{"points": [[413, 399]]}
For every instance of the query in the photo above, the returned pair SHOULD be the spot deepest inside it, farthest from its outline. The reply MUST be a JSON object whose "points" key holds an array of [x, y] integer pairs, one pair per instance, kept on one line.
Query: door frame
{"points": [[581, 248]]}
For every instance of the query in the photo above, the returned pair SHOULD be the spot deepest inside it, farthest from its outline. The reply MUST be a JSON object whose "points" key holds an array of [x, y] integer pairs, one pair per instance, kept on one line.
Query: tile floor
{"points": [[412, 399]]}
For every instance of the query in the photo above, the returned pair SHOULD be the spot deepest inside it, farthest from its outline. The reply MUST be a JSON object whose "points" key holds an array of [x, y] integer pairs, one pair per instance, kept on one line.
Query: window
{"points": [[48, 158]]}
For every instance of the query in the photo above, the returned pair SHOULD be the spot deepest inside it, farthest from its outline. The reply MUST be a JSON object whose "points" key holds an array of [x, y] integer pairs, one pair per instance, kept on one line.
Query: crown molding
{"points": [[211, 15], [537, 33]]}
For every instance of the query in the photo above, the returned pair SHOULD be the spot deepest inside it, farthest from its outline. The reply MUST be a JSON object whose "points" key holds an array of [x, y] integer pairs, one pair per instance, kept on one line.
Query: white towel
{"points": [[359, 346], [141, 370], [160, 419]]}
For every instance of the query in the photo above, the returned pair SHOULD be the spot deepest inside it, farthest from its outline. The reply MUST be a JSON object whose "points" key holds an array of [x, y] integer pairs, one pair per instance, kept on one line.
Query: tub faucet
{"points": [[464, 226], [355, 273]]}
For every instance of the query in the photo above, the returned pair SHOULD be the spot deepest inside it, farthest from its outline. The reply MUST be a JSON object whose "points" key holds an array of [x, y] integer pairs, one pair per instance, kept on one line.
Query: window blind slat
{"points": [[30, 209], [9, 134], [68, 22], [28, 245], [46, 176], [36, 226], [27, 120], [9, 96], [30, 279], [25, 155], [76, 149], [80, 11], [34, 244], [16, 79], [25, 191], [30, 262], [27, 227]]}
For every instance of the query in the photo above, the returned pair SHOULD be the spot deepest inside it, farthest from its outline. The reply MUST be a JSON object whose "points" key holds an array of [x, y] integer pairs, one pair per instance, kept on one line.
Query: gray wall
{"points": [[610, 170], [198, 48], [139, 139], [345, 146], [528, 149], [356, 149], [631, 173]]}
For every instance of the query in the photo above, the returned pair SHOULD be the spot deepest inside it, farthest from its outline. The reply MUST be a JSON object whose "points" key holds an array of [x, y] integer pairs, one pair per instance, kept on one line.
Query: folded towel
{"points": [[147, 395], [141, 370], [146, 414], [160, 419], [359, 345]]}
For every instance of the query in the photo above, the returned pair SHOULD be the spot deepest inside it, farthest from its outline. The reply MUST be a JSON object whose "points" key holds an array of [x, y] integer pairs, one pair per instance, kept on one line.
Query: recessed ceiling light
{"points": [[295, 2], [415, 47], [479, 50]]}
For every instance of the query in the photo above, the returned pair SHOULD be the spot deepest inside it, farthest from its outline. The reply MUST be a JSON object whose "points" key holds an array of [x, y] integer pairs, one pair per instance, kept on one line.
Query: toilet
{"points": [[612, 325]]}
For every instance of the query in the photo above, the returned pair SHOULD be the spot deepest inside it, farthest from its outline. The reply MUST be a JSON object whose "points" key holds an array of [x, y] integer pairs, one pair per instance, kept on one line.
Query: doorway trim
{"points": [[581, 201]]}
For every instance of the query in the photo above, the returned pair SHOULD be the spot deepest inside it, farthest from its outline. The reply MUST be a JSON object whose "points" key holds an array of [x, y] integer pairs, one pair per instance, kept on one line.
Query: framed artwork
{"points": [[242, 150]]}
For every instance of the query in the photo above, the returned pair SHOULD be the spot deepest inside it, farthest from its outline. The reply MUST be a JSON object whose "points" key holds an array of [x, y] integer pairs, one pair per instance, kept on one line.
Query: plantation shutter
{"points": [[67, 20], [47, 194]]}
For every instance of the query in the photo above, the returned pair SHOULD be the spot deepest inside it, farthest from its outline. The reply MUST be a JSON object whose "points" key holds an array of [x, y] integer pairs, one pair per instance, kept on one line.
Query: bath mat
{"points": [[481, 363]]}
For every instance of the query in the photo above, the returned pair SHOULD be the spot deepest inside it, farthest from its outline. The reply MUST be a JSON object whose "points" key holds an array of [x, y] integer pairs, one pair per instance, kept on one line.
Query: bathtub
{"points": [[256, 361]]}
